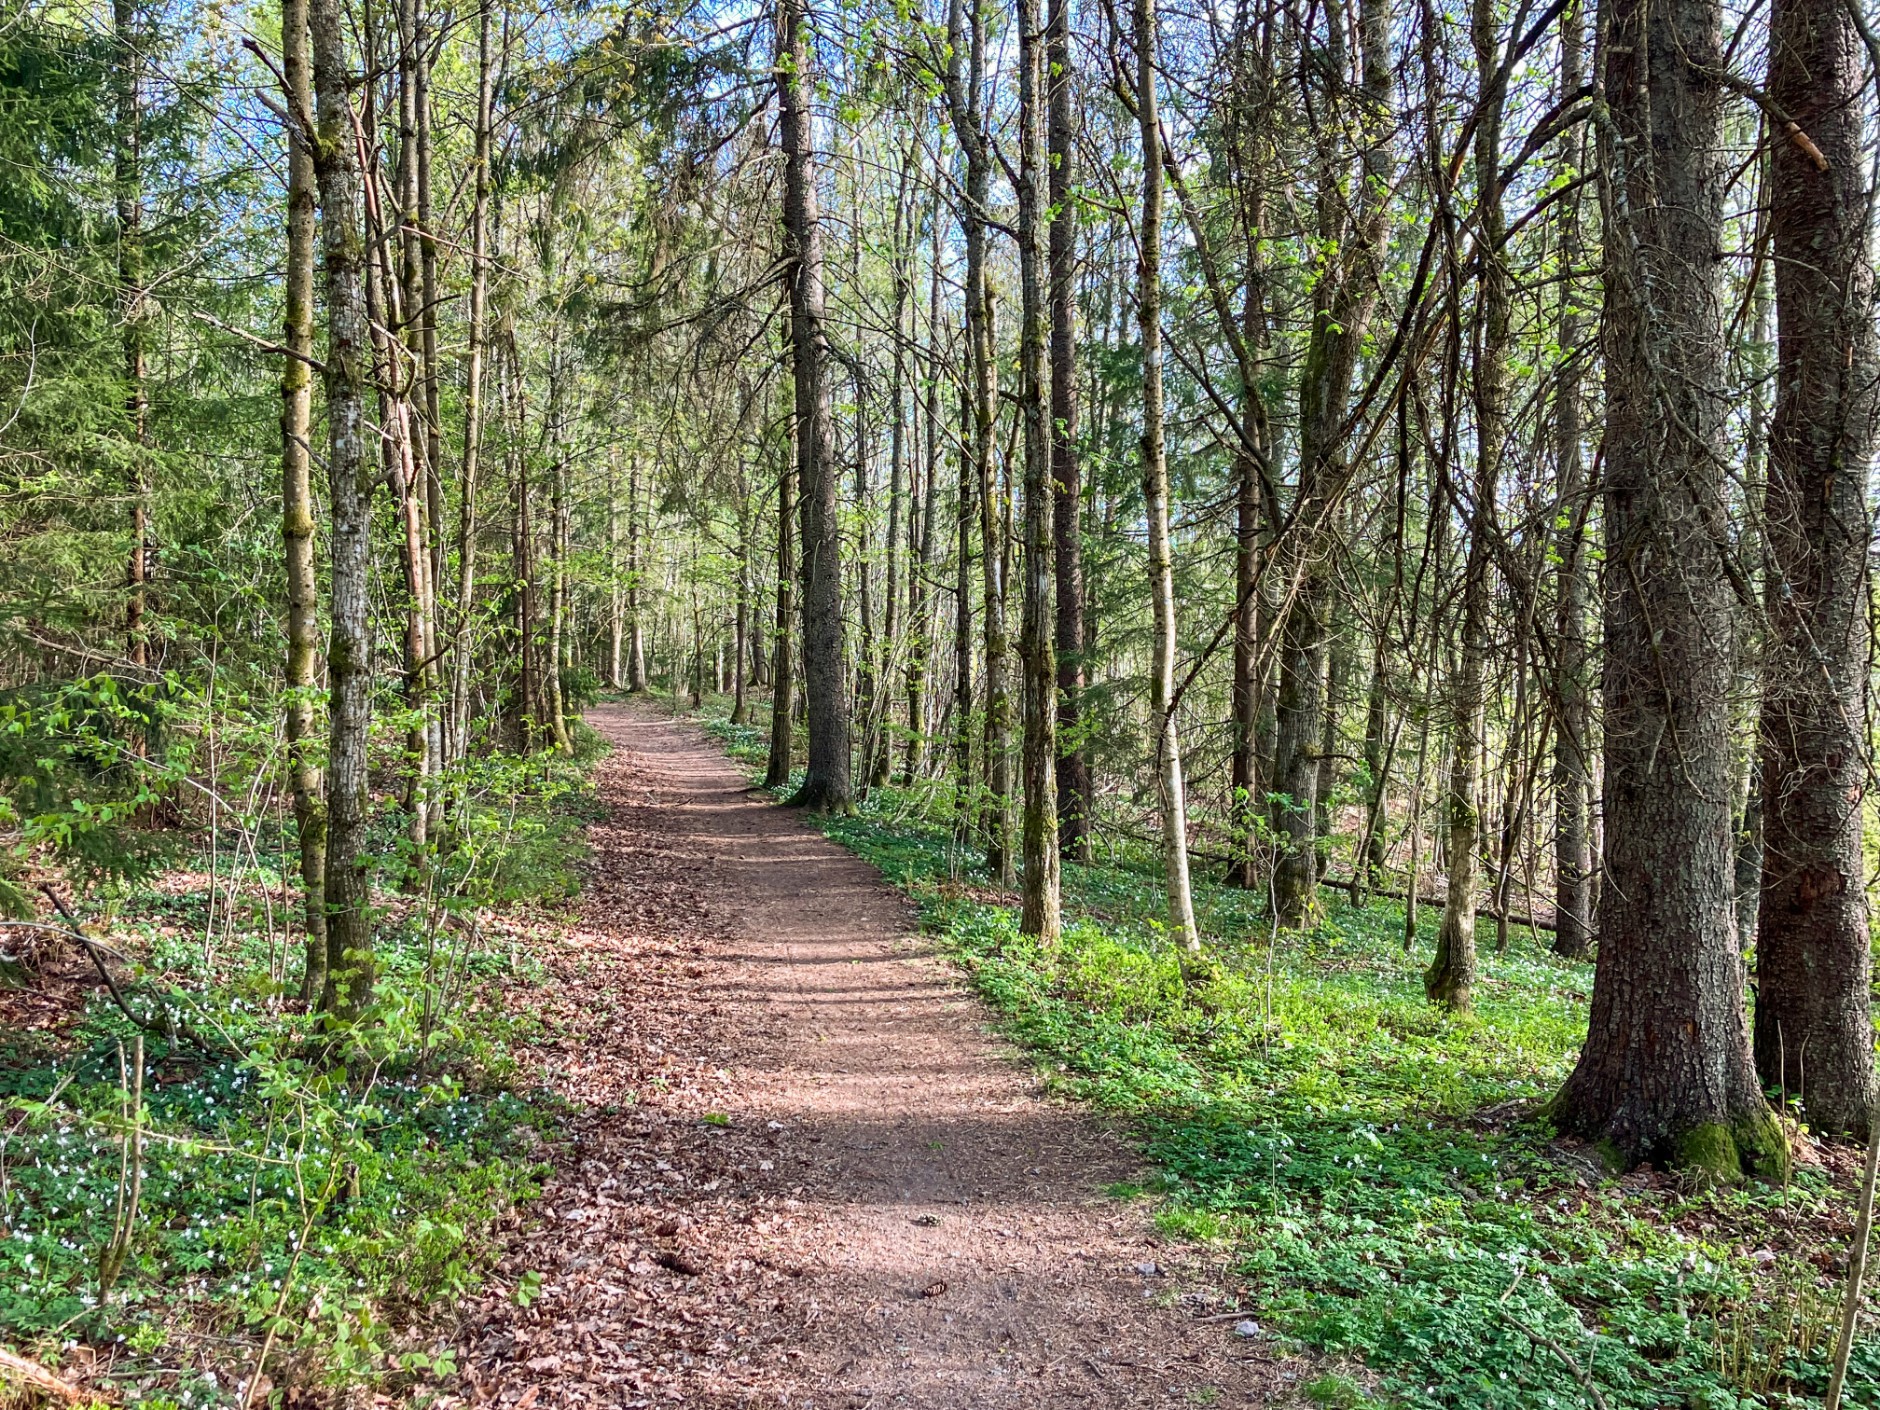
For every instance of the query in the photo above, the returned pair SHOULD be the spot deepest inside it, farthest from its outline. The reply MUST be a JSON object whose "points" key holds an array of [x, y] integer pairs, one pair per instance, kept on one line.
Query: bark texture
{"points": [[350, 480], [1075, 794], [303, 607], [1666, 1073], [1155, 495], [1040, 915], [826, 785], [1814, 1033]]}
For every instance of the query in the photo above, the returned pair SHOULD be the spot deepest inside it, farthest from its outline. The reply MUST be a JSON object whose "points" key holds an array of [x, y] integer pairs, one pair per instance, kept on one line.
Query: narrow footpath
{"points": [[803, 1172]]}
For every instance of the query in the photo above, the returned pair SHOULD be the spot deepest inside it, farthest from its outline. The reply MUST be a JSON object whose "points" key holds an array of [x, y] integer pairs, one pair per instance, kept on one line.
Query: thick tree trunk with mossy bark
{"points": [[303, 607], [1814, 1031], [350, 477], [1666, 1073], [826, 786]]}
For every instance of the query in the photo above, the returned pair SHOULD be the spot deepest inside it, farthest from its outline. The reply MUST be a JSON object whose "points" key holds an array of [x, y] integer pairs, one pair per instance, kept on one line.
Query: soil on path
{"points": [[802, 1173]]}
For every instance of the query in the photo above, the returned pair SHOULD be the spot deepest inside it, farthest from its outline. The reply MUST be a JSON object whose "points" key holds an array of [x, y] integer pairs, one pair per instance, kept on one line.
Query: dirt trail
{"points": [[832, 1186]]}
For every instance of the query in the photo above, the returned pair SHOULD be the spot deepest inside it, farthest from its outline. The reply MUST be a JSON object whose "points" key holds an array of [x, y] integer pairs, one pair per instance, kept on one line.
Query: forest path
{"points": [[863, 1195]]}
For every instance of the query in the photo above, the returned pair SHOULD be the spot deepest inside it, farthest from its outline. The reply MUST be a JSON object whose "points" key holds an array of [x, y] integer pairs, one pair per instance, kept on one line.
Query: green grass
{"points": [[1378, 1168]]}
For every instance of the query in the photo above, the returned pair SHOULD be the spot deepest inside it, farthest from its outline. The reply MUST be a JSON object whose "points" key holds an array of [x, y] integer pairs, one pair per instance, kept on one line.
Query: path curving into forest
{"points": [[828, 1185]]}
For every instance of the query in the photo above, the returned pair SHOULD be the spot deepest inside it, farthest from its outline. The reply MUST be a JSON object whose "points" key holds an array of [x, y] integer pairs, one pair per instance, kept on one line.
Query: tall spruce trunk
{"points": [[741, 616], [965, 87], [1344, 299], [783, 655], [826, 784], [1666, 1073], [616, 601], [994, 541], [128, 191], [1572, 764], [469, 475], [350, 476], [1076, 794], [965, 808], [1814, 1033], [867, 664], [1252, 520], [1040, 914], [297, 507], [1451, 975], [922, 600], [1155, 495], [636, 626], [882, 725]]}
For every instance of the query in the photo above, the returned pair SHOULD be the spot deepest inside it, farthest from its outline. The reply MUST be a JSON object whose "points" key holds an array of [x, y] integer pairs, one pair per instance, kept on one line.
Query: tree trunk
{"points": [[128, 188], [783, 662], [826, 785], [1814, 1034], [867, 649], [1666, 1073], [477, 336], [1040, 915], [964, 802], [1155, 495], [1344, 299], [615, 599], [636, 628], [922, 604], [1075, 792], [741, 618], [880, 755], [1572, 771], [350, 962], [1379, 743], [297, 508], [1451, 975], [965, 83]]}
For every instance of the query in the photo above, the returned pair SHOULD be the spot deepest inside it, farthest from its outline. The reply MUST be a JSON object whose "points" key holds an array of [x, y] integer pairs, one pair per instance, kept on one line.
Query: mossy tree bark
{"points": [[350, 481], [1666, 1073], [297, 508]]}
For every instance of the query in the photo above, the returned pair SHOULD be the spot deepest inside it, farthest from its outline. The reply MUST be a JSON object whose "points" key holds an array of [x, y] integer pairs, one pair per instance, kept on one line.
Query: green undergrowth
{"points": [[329, 1194], [1377, 1168]]}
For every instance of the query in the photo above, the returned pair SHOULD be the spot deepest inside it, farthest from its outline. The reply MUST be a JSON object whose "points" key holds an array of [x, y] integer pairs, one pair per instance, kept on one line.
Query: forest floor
{"points": [[801, 1171]]}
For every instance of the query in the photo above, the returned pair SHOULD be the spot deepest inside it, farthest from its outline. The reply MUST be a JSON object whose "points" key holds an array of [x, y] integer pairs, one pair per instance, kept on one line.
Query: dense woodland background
{"points": [[1366, 450]]}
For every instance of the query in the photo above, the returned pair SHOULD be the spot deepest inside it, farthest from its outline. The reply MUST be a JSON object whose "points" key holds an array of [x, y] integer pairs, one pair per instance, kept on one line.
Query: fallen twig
{"points": [[1856, 1266], [1573, 1369]]}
